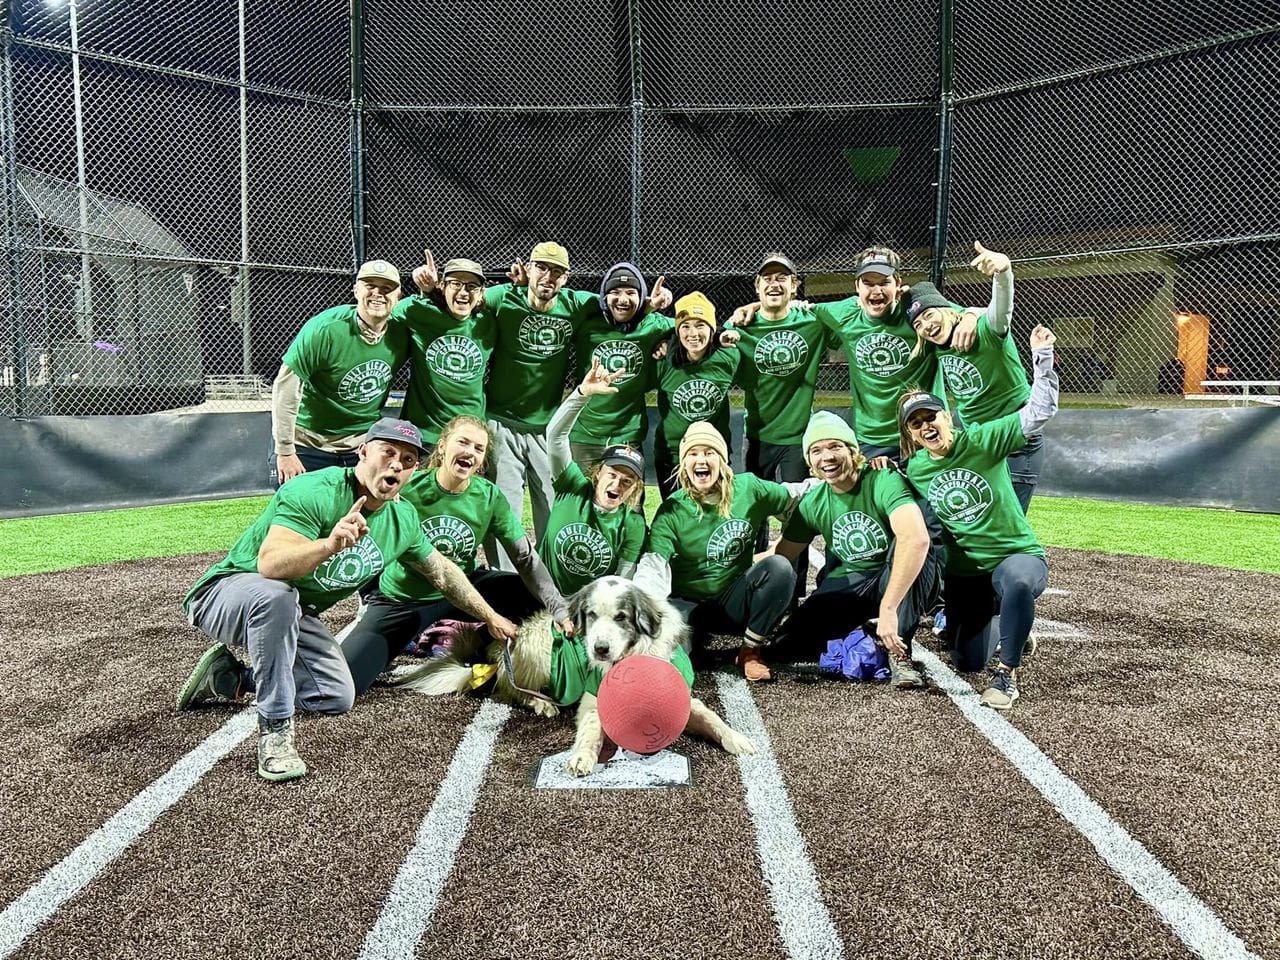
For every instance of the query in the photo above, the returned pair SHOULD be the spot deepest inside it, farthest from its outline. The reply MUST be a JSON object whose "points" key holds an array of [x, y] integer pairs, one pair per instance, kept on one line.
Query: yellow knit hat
{"points": [[696, 305], [703, 433]]}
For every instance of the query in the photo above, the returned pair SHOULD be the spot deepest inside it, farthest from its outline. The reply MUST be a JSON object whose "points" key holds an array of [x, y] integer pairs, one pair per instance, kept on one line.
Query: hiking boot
{"points": [[277, 756], [903, 674], [751, 660], [217, 676], [1002, 690]]}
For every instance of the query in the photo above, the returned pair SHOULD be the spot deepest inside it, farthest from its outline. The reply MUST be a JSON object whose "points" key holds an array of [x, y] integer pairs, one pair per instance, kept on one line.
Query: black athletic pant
{"points": [[756, 601], [781, 463], [387, 626], [842, 603]]}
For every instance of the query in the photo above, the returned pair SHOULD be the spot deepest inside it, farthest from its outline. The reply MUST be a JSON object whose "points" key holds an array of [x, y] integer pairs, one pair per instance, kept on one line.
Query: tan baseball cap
{"points": [[550, 252], [461, 265], [378, 270]]}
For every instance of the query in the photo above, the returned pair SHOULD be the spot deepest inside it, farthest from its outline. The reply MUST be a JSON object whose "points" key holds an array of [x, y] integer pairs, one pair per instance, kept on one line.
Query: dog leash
{"points": [[511, 676]]}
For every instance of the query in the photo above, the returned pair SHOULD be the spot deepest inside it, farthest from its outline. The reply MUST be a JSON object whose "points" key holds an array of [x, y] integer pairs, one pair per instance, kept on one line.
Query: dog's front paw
{"points": [[581, 763], [544, 709], [737, 743]]}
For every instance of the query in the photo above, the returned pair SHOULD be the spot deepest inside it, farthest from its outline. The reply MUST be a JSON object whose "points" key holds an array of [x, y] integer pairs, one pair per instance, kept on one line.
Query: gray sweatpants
{"points": [[294, 658], [520, 459]]}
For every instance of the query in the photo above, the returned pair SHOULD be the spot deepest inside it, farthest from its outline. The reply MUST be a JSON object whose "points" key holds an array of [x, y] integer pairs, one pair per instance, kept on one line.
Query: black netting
{"points": [[44, 124], [1002, 43], [302, 220], [202, 37], [300, 46], [491, 185], [756, 53], [720, 189], [511, 54]]}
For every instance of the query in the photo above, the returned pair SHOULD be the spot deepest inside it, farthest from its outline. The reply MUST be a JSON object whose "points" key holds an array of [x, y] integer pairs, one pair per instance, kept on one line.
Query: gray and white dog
{"points": [[614, 619]]}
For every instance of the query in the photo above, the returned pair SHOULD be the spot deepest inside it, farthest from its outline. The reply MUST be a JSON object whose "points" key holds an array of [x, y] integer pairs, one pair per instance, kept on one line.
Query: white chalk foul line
{"points": [[70, 875], [416, 890], [1190, 919], [807, 930]]}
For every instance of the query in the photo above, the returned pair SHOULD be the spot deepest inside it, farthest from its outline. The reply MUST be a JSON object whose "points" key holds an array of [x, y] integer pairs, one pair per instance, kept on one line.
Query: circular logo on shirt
{"points": [[882, 354], [780, 352], [697, 399], [960, 496], [365, 383], [544, 334], [457, 358], [963, 378], [620, 355], [857, 536], [582, 550], [351, 567], [730, 541], [452, 537]]}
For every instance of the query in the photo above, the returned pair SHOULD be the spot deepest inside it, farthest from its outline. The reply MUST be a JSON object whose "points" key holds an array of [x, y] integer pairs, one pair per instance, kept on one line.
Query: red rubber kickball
{"points": [[643, 704]]}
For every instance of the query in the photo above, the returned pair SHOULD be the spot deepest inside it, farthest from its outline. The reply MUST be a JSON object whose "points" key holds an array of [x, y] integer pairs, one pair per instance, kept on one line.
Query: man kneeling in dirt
{"points": [[323, 534]]}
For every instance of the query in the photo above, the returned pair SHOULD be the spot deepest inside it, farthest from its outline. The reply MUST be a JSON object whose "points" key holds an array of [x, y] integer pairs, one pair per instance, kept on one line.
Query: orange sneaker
{"points": [[751, 660]]}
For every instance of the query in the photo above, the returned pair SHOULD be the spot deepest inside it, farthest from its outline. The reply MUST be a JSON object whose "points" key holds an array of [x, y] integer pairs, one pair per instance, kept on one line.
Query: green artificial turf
{"points": [[1245, 541]]}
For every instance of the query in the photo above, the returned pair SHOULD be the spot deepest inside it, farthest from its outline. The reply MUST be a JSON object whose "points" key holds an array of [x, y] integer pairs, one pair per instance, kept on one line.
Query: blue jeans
{"points": [[973, 603], [312, 459]]}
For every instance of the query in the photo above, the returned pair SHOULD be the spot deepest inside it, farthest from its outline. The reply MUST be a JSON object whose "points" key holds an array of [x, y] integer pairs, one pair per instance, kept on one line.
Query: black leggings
{"points": [[754, 601], [387, 626]]}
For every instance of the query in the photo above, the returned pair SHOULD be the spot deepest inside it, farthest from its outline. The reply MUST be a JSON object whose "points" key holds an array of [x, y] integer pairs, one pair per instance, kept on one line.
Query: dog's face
{"points": [[615, 618]]}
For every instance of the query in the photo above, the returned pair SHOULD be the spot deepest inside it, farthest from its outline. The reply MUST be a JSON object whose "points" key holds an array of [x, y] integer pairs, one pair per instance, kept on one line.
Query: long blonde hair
{"points": [[722, 492], [436, 460]]}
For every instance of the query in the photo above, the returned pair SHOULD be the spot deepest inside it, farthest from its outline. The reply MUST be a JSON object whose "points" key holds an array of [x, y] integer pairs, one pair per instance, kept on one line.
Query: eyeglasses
{"points": [[464, 286]]}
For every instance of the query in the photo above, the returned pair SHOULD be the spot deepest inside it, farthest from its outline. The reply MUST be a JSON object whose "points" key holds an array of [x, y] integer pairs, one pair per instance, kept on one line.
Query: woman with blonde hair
{"points": [[700, 551], [595, 529], [457, 508]]}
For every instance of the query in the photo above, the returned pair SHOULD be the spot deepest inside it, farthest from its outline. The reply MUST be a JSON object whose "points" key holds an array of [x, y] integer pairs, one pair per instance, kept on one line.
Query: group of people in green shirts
{"points": [[399, 508]]}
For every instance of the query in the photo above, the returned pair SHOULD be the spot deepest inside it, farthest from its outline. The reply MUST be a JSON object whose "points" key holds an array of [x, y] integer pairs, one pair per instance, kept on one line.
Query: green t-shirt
{"points": [[696, 391], [855, 525], [446, 378], [617, 417], [572, 675], [881, 367], [311, 504], [986, 382], [345, 380], [455, 524], [582, 542], [707, 552], [972, 495], [779, 374], [531, 356]]}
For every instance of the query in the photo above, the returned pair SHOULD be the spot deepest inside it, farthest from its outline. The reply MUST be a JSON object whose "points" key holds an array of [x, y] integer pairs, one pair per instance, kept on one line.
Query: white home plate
{"points": [[624, 771]]}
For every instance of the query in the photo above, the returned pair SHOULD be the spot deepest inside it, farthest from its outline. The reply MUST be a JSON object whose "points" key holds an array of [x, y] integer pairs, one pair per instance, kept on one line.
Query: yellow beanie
{"points": [[703, 433], [696, 305]]}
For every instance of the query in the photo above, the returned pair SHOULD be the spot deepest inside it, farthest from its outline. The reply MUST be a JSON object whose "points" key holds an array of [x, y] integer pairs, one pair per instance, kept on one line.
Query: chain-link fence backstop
{"points": [[185, 183]]}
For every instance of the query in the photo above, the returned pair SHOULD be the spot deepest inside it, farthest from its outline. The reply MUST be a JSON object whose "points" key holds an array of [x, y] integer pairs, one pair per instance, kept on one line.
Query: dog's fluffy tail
{"points": [[450, 673]]}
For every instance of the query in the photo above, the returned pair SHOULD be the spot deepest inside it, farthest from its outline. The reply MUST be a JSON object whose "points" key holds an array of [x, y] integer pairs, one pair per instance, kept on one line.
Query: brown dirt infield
{"points": [[925, 841]]}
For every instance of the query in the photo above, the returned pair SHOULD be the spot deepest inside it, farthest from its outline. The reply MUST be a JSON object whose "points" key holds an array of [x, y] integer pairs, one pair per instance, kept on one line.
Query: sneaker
{"points": [[277, 756], [1002, 690], [903, 674], [752, 663], [217, 676]]}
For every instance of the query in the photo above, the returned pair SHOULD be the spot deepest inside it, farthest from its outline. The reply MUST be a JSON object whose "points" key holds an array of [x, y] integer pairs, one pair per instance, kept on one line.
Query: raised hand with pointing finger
{"points": [[347, 531], [426, 277]]}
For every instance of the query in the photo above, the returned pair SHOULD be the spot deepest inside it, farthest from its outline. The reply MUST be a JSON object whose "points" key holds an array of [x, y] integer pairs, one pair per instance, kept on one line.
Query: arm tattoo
{"points": [[453, 583]]}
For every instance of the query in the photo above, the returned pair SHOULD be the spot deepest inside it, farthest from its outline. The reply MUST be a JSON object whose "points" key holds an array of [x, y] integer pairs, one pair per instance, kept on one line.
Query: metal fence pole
{"points": [[637, 126], [14, 314], [357, 132], [946, 107], [85, 327], [242, 291]]}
